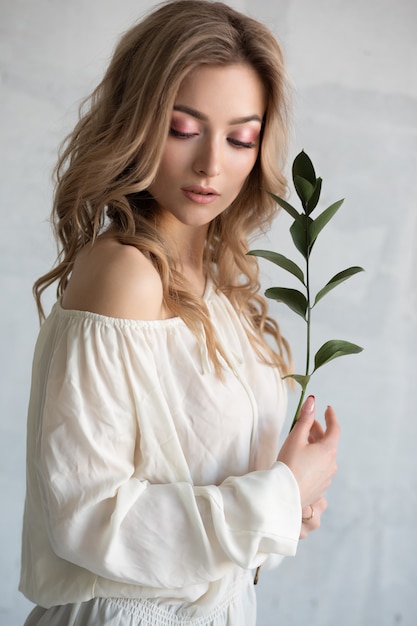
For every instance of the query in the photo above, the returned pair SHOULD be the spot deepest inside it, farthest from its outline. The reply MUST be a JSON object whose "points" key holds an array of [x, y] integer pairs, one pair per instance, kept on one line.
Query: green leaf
{"points": [[286, 206], [333, 349], [301, 380], [321, 220], [291, 297], [281, 261], [304, 190], [336, 280], [301, 234], [302, 166], [312, 203]]}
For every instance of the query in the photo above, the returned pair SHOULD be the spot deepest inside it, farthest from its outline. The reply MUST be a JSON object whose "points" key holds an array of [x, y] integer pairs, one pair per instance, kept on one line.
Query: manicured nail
{"points": [[309, 404]]}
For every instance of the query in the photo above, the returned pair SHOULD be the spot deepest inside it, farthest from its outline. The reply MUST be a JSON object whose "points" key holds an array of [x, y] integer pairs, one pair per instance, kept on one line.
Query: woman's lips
{"points": [[200, 195]]}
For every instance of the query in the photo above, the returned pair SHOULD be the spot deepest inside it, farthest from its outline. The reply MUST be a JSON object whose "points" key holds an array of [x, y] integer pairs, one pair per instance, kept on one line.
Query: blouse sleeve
{"points": [[102, 422]]}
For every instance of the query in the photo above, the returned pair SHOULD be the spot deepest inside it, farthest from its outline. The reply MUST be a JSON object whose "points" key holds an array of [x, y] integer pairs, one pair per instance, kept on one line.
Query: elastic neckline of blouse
{"points": [[122, 321]]}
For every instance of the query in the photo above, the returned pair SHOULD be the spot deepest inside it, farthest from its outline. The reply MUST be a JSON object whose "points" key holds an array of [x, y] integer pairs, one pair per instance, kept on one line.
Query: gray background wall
{"points": [[354, 67]]}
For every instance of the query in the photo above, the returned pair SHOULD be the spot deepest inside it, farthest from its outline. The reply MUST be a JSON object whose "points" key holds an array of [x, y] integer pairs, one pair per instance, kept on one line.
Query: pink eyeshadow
{"points": [[246, 136]]}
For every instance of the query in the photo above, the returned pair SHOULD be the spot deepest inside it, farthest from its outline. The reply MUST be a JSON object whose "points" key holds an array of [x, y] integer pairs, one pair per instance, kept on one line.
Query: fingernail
{"points": [[309, 404]]}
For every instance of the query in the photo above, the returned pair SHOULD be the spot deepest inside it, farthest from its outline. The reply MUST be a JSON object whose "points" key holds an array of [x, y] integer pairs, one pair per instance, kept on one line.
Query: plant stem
{"points": [[308, 313], [308, 334], [300, 402]]}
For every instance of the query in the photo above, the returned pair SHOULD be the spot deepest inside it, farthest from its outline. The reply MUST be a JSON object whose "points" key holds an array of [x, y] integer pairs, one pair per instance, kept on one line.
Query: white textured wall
{"points": [[354, 67]]}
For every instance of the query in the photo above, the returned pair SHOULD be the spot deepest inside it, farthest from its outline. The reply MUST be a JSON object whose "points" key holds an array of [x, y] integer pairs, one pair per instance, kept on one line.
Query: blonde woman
{"points": [[155, 480]]}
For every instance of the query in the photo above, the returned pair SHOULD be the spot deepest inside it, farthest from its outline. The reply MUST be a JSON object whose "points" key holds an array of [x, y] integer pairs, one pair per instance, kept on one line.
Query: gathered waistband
{"points": [[151, 613]]}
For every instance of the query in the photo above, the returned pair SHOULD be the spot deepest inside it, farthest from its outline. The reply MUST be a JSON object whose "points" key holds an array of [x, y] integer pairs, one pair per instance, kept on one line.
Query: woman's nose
{"points": [[207, 160]]}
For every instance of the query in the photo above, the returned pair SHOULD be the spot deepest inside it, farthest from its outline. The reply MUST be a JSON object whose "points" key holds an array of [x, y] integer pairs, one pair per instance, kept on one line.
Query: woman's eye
{"points": [[241, 144], [181, 134]]}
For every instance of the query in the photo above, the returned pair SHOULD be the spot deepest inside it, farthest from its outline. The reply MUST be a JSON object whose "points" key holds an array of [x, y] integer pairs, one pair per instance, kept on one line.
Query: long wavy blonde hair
{"points": [[107, 163]]}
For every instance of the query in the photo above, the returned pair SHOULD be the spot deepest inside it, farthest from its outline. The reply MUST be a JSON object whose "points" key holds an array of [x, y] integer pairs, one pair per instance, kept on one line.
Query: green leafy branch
{"points": [[304, 232]]}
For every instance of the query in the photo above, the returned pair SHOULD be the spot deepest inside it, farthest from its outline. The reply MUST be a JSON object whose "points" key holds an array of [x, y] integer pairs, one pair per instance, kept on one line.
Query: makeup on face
{"points": [[187, 123], [212, 146]]}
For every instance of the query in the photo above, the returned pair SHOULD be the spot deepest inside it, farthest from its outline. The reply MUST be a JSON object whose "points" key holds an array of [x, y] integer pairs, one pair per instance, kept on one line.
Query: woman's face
{"points": [[212, 145]]}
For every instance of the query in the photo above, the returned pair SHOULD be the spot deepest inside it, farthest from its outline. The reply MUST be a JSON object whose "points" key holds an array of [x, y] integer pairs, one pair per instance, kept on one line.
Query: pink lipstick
{"points": [[199, 194]]}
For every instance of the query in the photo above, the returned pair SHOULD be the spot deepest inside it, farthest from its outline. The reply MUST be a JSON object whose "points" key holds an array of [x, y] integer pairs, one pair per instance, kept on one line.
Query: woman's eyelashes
{"points": [[238, 143], [181, 133]]}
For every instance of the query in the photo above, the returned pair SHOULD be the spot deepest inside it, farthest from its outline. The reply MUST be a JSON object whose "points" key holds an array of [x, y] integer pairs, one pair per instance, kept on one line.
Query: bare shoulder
{"points": [[116, 280]]}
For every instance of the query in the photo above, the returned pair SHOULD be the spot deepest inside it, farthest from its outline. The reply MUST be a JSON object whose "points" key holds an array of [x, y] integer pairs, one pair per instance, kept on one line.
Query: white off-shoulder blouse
{"points": [[148, 477]]}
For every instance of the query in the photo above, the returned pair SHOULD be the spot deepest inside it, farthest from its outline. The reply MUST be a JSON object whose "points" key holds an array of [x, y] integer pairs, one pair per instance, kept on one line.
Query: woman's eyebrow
{"points": [[200, 116]]}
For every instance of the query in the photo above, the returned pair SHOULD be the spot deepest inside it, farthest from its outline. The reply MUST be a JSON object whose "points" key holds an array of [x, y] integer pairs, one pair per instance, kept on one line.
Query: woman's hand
{"points": [[310, 453]]}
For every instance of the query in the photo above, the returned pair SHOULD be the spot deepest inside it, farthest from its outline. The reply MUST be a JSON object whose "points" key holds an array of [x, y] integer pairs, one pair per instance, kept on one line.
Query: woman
{"points": [[154, 480]]}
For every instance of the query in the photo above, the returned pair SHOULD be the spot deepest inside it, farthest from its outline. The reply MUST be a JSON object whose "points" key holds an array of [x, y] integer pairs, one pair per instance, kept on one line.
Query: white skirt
{"points": [[237, 609]]}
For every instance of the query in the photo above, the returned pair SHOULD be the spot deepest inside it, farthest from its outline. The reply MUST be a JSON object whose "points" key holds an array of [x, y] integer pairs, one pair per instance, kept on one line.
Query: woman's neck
{"points": [[186, 245]]}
